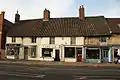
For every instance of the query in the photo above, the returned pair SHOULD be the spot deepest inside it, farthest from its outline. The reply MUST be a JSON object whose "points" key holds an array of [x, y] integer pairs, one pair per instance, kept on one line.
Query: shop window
{"points": [[13, 39], [33, 39], [52, 40], [10, 51], [33, 52], [47, 52], [69, 52], [92, 53], [73, 40]]}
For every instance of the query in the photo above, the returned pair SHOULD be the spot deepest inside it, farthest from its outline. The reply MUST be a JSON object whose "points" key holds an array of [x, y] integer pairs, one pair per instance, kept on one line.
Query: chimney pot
{"points": [[17, 17]]}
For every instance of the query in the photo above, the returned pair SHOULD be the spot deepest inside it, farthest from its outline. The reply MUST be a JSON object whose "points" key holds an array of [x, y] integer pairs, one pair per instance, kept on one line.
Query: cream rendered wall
{"points": [[62, 40], [66, 40], [26, 41], [18, 40], [8, 40], [38, 41], [79, 40], [44, 40]]}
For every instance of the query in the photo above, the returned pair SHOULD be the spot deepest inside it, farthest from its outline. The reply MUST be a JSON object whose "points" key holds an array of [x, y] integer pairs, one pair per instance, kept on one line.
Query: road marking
{"points": [[41, 76], [22, 74], [80, 77]]}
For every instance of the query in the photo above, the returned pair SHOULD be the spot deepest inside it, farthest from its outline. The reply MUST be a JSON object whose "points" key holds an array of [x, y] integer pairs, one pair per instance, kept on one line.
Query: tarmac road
{"points": [[25, 72]]}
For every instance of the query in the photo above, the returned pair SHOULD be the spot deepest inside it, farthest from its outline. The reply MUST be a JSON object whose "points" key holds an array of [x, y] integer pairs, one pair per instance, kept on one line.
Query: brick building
{"points": [[5, 25]]}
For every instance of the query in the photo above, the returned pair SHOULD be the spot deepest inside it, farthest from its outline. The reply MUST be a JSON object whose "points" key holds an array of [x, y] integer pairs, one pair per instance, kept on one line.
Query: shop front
{"points": [[50, 52], [13, 51], [101, 54], [73, 54]]}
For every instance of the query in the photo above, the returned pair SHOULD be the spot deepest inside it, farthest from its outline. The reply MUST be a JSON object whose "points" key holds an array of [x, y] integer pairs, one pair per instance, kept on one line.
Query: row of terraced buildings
{"points": [[93, 39]]}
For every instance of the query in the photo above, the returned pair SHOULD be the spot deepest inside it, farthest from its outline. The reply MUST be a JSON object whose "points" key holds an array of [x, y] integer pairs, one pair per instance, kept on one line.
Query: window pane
{"points": [[73, 40], [92, 53], [33, 39], [13, 39], [10, 51], [47, 52], [52, 40], [69, 52], [33, 52]]}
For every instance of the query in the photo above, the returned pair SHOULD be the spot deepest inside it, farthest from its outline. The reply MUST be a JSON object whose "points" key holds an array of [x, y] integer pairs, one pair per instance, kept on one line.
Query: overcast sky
{"points": [[29, 9]]}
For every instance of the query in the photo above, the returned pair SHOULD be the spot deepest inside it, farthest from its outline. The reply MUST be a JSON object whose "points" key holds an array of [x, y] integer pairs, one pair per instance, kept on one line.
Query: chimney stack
{"points": [[2, 19], [81, 13], [17, 17], [46, 15]]}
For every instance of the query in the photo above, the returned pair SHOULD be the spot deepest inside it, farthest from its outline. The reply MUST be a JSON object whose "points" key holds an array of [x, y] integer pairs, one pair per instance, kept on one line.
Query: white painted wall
{"points": [[26, 41], [62, 40], [79, 40], [18, 40], [8, 40], [44, 43], [38, 41], [45, 40], [70, 60]]}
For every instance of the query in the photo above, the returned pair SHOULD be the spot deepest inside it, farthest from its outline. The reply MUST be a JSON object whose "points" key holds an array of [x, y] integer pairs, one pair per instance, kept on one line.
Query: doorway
{"points": [[105, 55], [25, 53], [79, 54], [16, 52], [57, 57]]}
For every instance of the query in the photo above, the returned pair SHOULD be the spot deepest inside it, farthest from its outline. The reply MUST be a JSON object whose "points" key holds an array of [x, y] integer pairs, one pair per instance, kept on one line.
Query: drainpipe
{"points": [[85, 54], [100, 55], [113, 59], [109, 55]]}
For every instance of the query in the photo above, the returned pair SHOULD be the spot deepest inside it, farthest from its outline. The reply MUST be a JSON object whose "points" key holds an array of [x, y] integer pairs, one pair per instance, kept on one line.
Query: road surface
{"points": [[22, 72]]}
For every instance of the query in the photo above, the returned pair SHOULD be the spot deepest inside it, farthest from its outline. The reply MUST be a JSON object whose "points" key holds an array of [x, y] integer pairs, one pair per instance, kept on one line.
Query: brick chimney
{"points": [[2, 51], [17, 17], [46, 15], [1, 26], [81, 13]]}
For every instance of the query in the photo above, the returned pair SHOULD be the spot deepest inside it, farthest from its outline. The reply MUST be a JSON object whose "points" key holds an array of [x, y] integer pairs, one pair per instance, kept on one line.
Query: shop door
{"points": [[105, 55], [79, 54], [57, 57], [16, 53], [25, 53]]}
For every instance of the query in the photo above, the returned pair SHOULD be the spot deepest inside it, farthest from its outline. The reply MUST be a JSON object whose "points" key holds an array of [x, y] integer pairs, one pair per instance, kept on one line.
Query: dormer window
{"points": [[33, 39], [13, 39]]}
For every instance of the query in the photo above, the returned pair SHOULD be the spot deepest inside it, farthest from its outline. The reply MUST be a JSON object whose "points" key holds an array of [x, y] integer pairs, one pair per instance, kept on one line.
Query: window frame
{"points": [[52, 40], [73, 40], [33, 49], [13, 39], [49, 50], [33, 40], [69, 52]]}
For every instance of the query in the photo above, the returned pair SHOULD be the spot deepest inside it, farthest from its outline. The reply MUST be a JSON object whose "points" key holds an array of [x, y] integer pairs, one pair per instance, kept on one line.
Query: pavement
{"points": [[59, 64]]}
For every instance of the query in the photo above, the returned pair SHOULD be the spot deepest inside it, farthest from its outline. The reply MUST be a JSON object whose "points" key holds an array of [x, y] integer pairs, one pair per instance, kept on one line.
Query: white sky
{"points": [[29, 9]]}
